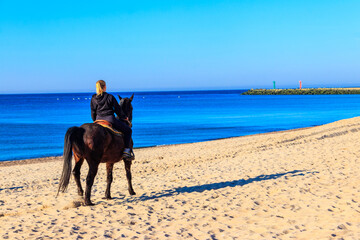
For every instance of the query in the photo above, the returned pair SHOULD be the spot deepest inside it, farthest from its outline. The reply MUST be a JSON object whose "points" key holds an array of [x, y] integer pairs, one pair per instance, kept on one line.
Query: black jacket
{"points": [[105, 105]]}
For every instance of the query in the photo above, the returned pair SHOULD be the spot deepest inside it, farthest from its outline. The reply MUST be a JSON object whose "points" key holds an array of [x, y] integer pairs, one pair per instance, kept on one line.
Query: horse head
{"points": [[126, 106]]}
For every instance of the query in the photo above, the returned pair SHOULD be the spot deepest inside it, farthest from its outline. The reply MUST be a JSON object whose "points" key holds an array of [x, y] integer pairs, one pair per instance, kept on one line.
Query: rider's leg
{"points": [[127, 131]]}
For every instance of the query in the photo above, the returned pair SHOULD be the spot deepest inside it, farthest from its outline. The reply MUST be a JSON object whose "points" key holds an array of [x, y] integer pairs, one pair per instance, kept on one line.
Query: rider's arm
{"points": [[118, 109], [93, 110]]}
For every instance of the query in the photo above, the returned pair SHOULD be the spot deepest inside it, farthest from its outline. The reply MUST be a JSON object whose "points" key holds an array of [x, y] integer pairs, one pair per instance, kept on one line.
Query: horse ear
{"points": [[119, 97], [132, 97]]}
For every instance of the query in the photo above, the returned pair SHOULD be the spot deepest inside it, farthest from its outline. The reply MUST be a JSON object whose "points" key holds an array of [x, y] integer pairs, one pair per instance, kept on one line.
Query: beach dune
{"points": [[300, 184]]}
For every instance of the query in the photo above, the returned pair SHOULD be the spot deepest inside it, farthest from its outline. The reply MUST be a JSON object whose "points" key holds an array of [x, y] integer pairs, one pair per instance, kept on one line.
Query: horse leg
{"points": [[128, 176], [76, 172], [109, 171], [93, 168]]}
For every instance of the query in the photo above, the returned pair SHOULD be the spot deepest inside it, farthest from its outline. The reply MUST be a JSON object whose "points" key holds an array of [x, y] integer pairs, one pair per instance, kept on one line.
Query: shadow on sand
{"points": [[215, 186], [11, 188]]}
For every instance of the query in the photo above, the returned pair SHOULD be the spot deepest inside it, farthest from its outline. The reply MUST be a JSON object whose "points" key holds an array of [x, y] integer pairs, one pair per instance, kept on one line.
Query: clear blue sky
{"points": [[66, 46]]}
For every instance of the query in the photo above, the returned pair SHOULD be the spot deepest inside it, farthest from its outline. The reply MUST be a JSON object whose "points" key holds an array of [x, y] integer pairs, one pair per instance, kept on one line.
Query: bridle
{"points": [[127, 114]]}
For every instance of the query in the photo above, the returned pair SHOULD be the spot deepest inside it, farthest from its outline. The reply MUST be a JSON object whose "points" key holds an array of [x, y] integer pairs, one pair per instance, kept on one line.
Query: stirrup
{"points": [[129, 156]]}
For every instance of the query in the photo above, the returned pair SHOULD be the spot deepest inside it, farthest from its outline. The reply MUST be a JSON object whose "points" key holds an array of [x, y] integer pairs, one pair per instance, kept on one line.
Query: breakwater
{"points": [[304, 91]]}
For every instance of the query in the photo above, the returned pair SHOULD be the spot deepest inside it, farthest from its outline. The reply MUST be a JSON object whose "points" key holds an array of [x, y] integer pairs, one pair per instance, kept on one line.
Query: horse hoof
{"points": [[89, 203], [132, 193], [81, 193], [107, 198]]}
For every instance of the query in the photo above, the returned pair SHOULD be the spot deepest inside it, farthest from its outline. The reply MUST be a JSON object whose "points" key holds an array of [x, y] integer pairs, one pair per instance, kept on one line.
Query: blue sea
{"points": [[34, 125]]}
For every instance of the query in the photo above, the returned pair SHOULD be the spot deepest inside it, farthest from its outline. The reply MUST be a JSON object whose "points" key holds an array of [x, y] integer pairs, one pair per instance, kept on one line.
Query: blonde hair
{"points": [[100, 85]]}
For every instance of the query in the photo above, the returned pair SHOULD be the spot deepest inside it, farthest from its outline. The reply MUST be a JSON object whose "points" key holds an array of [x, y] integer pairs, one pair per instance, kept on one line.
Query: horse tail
{"points": [[73, 139]]}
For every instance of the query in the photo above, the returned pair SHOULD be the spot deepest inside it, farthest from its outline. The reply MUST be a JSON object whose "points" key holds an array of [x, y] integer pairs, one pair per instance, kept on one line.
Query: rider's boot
{"points": [[128, 154]]}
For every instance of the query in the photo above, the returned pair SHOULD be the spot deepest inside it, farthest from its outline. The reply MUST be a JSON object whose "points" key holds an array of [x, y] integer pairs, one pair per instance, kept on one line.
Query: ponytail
{"points": [[100, 85]]}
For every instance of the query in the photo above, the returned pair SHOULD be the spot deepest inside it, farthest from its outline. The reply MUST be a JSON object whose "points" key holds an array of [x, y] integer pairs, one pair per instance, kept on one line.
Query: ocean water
{"points": [[34, 125]]}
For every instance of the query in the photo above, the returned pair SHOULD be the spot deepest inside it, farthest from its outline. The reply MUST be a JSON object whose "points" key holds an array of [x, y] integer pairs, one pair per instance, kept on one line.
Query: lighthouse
{"points": [[300, 84]]}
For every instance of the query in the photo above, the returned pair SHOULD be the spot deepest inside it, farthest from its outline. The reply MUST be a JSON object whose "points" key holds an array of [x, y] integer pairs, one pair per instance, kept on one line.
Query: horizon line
{"points": [[136, 91], [169, 90]]}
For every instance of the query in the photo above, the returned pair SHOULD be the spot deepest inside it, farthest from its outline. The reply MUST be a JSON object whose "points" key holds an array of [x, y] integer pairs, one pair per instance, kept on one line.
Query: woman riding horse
{"points": [[97, 144], [103, 106]]}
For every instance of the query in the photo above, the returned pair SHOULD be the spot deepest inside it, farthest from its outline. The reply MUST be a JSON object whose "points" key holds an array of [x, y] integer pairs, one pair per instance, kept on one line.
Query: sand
{"points": [[301, 184]]}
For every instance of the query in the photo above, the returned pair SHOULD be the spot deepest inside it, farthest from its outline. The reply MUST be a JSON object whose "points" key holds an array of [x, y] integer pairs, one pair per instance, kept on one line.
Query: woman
{"points": [[103, 107]]}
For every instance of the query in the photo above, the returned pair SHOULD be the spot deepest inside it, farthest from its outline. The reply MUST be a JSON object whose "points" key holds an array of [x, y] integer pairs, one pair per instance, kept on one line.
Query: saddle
{"points": [[108, 125]]}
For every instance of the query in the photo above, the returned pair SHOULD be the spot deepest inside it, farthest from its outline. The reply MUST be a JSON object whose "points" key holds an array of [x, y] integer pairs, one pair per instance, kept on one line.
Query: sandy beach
{"points": [[299, 184]]}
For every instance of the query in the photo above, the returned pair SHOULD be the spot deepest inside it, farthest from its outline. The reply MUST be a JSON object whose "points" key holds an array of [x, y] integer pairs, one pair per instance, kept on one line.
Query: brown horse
{"points": [[97, 145]]}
